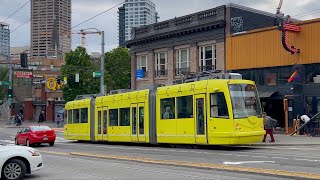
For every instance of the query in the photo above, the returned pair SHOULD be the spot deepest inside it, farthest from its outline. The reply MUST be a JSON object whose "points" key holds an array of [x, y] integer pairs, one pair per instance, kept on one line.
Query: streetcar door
{"points": [[200, 119], [141, 122], [104, 121], [134, 122], [99, 123]]}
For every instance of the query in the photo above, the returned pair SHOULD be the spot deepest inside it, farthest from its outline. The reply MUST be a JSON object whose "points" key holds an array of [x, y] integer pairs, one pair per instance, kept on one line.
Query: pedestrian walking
{"points": [[21, 114], [269, 124], [41, 117], [306, 128], [58, 120]]}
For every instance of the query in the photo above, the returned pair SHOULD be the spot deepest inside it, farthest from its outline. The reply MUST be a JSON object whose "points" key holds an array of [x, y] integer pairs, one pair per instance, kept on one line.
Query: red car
{"points": [[35, 135]]}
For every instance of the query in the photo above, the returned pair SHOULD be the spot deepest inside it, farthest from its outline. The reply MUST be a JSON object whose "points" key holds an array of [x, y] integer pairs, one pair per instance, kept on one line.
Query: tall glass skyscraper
{"points": [[135, 13], [4, 41]]}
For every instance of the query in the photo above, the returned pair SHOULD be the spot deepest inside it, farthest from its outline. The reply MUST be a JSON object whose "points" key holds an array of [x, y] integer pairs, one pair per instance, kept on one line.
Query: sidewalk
{"points": [[4, 124], [286, 140]]}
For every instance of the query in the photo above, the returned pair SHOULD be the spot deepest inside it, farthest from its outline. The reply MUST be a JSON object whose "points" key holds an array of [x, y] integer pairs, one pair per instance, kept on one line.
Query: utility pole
{"points": [[102, 88], [83, 32], [10, 85]]}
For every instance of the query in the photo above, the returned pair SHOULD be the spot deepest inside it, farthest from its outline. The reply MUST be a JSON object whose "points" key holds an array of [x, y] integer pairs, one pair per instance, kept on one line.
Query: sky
{"points": [[167, 9]]}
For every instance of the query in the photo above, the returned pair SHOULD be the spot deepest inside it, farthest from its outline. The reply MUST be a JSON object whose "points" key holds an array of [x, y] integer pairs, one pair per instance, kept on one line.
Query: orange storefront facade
{"points": [[260, 56]]}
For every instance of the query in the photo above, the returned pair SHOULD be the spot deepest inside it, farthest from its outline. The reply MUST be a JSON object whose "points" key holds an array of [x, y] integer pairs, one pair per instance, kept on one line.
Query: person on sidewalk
{"points": [[269, 124], [58, 120], [41, 117], [306, 129]]}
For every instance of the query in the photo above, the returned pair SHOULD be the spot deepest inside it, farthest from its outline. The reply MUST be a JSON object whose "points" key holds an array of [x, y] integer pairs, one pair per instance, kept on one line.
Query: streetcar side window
{"points": [[84, 115], [185, 107], [167, 110], [218, 105], [76, 116], [113, 117], [99, 122], [105, 115], [69, 117], [125, 117]]}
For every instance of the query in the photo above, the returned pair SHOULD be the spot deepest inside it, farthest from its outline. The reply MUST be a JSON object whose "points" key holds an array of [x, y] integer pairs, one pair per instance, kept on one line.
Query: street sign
{"points": [[5, 83], [77, 77], [96, 74], [140, 74]]}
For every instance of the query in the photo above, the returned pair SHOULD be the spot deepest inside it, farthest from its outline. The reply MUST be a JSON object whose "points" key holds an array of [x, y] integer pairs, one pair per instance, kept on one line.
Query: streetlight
{"points": [[84, 32]]}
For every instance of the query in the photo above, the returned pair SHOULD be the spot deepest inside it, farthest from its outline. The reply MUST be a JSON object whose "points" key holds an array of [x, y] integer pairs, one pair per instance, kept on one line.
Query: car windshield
{"points": [[40, 128], [245, 101]]}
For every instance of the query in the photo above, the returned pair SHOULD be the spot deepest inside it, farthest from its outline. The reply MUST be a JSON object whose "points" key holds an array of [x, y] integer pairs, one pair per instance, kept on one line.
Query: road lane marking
{"points": [[203, 165], [280, 158], [246, 162], [54, 152], [260, 156], [135, 167]]}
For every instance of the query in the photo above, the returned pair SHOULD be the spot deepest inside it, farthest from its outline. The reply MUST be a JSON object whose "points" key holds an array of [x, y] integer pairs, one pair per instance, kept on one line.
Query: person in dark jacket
{"points": [[269, 124], [41, 117]]}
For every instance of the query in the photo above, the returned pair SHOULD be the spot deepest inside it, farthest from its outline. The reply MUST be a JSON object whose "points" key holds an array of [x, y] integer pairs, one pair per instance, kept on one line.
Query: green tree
{"points": [[4, 76], [117, 69], [78, 61]]}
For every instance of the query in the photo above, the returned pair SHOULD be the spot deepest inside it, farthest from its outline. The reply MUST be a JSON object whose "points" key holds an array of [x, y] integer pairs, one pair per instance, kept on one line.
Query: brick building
{"points": [[35, 88], [166, 51], [260, 56]]}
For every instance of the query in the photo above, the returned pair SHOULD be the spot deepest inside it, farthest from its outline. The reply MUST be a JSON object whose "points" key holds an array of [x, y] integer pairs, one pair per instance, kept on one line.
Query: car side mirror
{"points": [[19, 132]]}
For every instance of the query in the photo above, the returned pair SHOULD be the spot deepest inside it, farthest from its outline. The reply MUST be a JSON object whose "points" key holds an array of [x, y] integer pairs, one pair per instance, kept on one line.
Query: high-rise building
{"points": [[135, 13], [50, 28], [4, 41]]}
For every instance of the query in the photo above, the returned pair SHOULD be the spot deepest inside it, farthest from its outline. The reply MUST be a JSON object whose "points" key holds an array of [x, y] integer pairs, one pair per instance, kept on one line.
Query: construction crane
{"points": [[83, 33], [278, 13]]}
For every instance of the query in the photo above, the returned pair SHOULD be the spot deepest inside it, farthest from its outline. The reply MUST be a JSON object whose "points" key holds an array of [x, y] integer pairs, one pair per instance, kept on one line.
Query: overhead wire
{"points": [[16, 11]]}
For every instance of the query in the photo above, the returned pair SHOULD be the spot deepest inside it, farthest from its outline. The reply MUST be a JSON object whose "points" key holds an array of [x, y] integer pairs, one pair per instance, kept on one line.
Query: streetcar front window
{"points": [[245, 101]]}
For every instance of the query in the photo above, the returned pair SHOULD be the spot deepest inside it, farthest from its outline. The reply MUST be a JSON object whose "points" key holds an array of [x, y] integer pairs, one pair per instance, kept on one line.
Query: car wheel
{"points": [[14, 169], [28, 143], [51, 143], [16, 142]]}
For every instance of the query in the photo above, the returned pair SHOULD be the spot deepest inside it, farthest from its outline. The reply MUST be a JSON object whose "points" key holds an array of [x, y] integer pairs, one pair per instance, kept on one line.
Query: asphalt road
{"points": [[59, 164]]}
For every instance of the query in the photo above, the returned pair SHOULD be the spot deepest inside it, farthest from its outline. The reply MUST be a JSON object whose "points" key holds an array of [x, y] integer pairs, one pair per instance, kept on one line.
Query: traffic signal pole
{"points": [[102, 88], [10, 86]]}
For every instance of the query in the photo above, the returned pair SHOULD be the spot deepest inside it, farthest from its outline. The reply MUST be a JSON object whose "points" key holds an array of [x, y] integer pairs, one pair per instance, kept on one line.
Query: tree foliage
{"points": [[4, 76], [78, 61], [117, 69]]}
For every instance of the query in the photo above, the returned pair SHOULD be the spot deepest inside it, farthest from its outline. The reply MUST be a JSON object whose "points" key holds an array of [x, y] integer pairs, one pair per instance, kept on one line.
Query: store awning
{"points": [[266, 94]]}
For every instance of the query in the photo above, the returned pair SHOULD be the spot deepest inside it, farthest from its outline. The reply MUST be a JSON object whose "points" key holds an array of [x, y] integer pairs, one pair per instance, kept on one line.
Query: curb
{"points": [[284, 144], [242, 169]]}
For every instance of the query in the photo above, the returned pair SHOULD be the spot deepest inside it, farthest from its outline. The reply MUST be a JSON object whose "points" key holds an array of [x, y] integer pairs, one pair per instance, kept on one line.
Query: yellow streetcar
{"points": [[220, 109]]}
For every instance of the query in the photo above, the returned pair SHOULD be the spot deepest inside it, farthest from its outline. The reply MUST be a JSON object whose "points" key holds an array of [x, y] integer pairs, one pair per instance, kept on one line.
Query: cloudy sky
{"points": [[84, 9]]}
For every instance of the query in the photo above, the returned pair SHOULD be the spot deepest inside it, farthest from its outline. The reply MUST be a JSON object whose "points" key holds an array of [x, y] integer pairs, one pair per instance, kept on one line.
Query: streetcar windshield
{"points": [[245, 100]]}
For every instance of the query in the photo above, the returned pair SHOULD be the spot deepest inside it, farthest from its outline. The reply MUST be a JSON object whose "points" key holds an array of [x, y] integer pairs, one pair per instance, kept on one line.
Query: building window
{"points": [[271, 79], [182, 61], [167, 108], [161, 68], [142, 65], [207, 58]]}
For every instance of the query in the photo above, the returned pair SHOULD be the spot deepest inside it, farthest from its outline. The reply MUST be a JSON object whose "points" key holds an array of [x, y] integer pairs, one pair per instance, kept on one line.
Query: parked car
{"points": [[35, 135], [16, 161]]}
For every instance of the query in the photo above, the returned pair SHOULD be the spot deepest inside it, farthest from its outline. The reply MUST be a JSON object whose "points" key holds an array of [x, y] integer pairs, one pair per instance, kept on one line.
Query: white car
{"points": [[16, 161]]}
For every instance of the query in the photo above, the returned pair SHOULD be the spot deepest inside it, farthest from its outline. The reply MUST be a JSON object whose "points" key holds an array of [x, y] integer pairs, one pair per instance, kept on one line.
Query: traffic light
{"points": [[58, 80], [10, 93]]}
